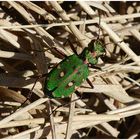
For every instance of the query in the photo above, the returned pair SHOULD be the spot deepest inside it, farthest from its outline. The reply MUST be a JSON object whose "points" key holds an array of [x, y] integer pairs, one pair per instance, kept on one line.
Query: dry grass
{"points": [[34, 39]]}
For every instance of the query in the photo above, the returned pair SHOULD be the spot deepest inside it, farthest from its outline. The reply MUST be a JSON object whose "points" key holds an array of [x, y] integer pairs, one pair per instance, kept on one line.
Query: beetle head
{"points": [[94, 50]]}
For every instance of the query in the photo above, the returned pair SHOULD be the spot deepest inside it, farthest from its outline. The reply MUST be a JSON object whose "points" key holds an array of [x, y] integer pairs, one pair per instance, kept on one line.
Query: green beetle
{"points": [[69, 74]]}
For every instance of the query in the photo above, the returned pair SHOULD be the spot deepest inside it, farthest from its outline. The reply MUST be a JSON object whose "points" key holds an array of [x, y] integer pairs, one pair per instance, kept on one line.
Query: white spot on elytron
{"points": [[62, 96], [61, 74], [70, 84]]}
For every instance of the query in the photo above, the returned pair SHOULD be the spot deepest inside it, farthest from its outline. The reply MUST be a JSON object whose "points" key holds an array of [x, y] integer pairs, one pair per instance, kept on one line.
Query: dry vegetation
{"points": [[34, 38]]}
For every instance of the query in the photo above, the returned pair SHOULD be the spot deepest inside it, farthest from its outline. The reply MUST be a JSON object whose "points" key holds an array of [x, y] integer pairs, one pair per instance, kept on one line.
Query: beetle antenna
{"points": [[99, 25], [31, 91], [89, 82]]}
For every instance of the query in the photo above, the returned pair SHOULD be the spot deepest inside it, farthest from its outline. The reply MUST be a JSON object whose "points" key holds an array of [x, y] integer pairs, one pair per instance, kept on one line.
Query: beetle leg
{"points": [[96, 67], [72, 46], [31, 91], [65, 104], [90, 83]]}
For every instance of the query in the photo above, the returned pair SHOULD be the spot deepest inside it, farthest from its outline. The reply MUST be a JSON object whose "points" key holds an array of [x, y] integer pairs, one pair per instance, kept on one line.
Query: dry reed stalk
{"points": [[61, 119], [22, 11], [131, 85], [76, 119], [132, 80], [10, 103], [129, 113], [127, 108], [109, 104], [98, 6], [126, 114], [135, 33], [10, 38], [114, 82], [24, 134], [52, 121], [126, 68], [34, 7], [39, 10], [86, 22], [80, 125], [21, 111], [23, 122], [13, 95], [71, 116], [77, 110]]}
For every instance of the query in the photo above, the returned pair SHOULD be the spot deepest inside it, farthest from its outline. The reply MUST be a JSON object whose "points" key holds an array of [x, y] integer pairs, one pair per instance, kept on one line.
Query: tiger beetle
{"points": [[69, 74]]}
